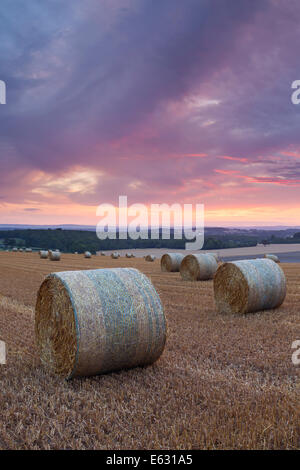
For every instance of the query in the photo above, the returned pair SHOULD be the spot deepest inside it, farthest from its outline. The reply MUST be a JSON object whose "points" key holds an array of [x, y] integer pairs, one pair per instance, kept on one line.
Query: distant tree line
{"points": [[80, 240]]}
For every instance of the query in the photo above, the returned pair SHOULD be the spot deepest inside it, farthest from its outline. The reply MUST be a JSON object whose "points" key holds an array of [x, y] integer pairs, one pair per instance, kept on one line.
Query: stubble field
{"points": [[223, 382]]}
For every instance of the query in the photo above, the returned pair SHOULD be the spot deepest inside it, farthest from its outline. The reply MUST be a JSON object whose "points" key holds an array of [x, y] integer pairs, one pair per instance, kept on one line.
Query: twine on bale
{"points": [[272, 257], [198, 267], [95, 321], [170, 262], [249, 286], [54, 256]]}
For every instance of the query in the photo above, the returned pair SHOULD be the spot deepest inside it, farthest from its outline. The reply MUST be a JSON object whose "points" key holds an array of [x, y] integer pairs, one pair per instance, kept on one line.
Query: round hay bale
{"points": [[170, 262], [75, 252], [103, 253], [150, 258], [249, 286], [198, 267], [272, 257], [95, 321], [21, 249], [28, 250], [43, 254], [115, 255], [87, 254], [129, 255], [15, 249], [54, 256]]}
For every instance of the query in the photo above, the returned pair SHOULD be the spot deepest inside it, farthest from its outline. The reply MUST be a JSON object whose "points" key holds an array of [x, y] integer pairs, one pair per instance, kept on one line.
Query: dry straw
{"points": [[249, 286], [87, 254], [272, 257], [54, 256], [170, 262], [95, 321], [198, 267], [43, 254], [150, 258]]}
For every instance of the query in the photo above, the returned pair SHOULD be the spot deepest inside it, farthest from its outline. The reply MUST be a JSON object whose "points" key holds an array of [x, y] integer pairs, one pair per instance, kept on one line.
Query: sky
{"points": [[162, 101]]}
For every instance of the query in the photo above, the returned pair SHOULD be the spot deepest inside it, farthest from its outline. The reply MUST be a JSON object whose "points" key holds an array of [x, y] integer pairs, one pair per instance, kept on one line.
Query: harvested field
{"points": [[223, 382]]}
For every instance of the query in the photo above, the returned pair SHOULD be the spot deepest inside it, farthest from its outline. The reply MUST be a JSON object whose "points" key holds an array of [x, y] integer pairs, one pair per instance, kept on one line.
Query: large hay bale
{"points": [[95, 321], [272, 257], [43, 254], [198, 267], [115, 255], [170, 262], [249, 286], [150, 258], [54, 256], [87, 254], [28, 250]]}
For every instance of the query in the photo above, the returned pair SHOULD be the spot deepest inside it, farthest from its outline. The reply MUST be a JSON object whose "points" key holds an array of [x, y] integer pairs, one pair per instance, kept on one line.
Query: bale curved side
{"points": [[87, 254], [43, 254], [54, 256], [170, 262], [198, 267], [249, 286], [95, 321]]}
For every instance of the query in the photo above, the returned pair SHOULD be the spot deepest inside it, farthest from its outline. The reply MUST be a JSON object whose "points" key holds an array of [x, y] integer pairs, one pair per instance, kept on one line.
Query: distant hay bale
{"points": [[200, 267], [87, 254], [103, 253], [20, 249], [54, 256], [249, 286], [28, 250], [150, 258], [129, 255], [272, 257], [115, 255], [43, 254], [15, 249], [76, 253], [170, 262], [95, 321]]}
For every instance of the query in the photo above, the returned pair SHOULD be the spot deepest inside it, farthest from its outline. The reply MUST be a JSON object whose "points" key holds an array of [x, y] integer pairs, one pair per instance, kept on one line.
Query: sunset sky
{"points": [[164, 101]]}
